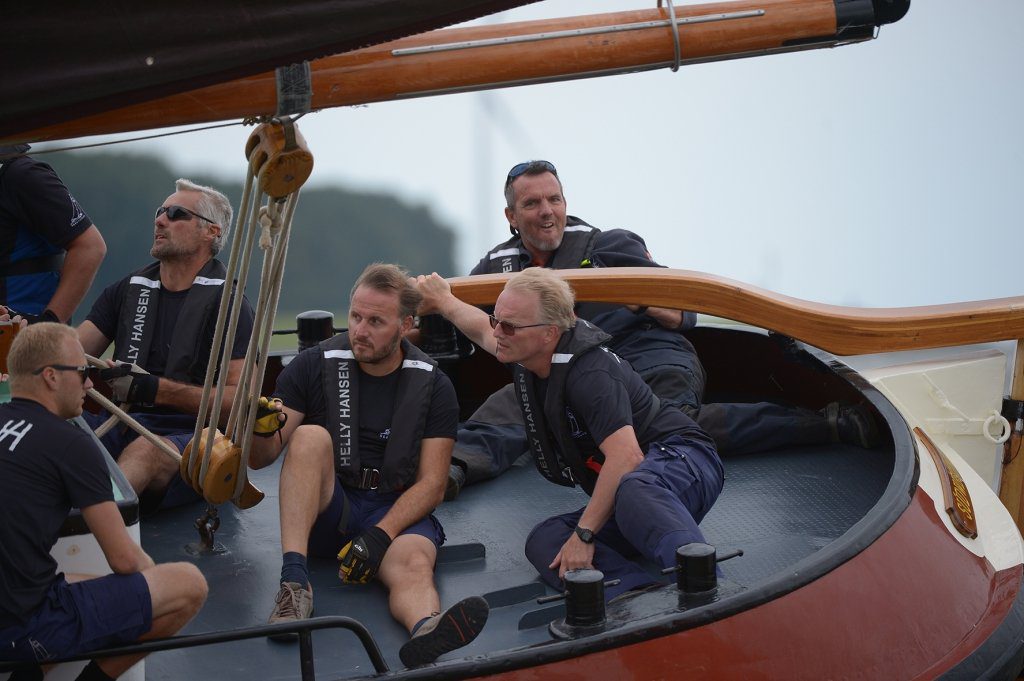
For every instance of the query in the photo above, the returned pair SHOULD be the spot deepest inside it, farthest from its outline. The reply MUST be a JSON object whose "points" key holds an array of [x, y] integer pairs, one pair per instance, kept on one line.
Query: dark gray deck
{"points": [[779, 507]]}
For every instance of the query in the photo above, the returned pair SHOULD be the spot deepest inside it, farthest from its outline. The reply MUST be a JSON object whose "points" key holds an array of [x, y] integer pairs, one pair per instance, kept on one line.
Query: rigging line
{"points": [[141, 138], [76, 147]]}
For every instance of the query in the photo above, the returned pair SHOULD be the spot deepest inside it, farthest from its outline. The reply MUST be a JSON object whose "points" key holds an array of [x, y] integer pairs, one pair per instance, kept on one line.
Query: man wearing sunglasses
{"points": [[651, 472], [649, 338], [49, 248], [48, 465], [161, 320]]}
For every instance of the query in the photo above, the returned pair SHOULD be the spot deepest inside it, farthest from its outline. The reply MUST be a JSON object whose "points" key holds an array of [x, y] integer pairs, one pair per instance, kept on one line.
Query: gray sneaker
{"points": [[456, 479], [455, 627], [851, 424], [292, 603]]}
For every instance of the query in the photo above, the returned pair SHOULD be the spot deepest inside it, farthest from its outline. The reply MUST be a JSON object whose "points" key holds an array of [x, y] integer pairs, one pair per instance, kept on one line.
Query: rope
{"points": [[160, 443], [274, 233], [675, 34], [211, 368]]}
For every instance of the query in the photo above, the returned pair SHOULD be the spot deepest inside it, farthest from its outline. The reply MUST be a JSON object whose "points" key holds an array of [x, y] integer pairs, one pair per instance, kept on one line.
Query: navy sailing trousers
{"points": [[494, 437], [657, 508]]}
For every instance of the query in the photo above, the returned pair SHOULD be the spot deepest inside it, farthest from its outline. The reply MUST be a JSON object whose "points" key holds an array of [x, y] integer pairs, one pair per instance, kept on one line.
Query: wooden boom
{"points": [[837, 329], [493, 56]]}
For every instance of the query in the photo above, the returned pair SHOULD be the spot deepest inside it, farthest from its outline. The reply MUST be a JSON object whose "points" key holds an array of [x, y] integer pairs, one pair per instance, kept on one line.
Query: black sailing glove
{"points": [[361, 557], [129, 383]]}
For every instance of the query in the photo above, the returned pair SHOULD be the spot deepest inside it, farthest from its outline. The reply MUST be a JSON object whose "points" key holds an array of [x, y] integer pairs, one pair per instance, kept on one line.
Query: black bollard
{"points": [[438, 337], [584, 605], [314, 326], [696, 568]]}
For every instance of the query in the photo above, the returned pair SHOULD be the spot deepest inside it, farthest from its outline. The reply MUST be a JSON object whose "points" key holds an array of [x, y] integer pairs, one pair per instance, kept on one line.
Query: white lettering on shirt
{"points": [[11, 428]]}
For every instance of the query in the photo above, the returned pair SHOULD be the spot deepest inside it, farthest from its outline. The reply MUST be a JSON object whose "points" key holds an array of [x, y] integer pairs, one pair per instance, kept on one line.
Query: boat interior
{"points": [[795, 513]]}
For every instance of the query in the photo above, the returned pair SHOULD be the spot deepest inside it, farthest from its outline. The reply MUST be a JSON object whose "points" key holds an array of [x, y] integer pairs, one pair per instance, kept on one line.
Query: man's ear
{"points": [[407, 324], [510, 216]]}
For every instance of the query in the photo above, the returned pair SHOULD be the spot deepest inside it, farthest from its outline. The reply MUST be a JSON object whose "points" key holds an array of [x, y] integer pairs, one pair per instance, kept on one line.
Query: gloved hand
{"points": [[360, 558], [269, 417], [130, 383], [46, 315]]}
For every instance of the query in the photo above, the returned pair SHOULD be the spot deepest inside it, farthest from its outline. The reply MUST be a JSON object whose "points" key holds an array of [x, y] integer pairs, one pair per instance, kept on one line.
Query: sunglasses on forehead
{"points": [[177, 213], [535, 166], [508, 328], [83, 371]]}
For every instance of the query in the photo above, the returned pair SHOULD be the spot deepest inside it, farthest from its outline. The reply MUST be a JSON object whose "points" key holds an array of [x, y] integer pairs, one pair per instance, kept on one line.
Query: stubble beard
{"points": [[377, 356]]}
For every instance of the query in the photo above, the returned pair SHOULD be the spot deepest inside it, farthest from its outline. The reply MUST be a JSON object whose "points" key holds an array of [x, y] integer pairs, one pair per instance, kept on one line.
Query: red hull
{"points": [[911, 606]]}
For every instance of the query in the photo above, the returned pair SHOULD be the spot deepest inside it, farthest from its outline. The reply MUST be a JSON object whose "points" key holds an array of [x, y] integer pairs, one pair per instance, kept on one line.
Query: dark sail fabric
{"points": [[120, 53]]}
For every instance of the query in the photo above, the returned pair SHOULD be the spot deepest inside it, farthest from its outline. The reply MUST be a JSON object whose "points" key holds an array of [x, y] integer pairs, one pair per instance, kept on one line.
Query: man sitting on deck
{"points": [[370, 424], [161, 320], [651, 339], [650, 470], [47, 466]]}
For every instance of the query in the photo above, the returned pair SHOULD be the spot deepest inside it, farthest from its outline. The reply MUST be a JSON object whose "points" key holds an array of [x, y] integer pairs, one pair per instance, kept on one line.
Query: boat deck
{"points": [[779, 507]]}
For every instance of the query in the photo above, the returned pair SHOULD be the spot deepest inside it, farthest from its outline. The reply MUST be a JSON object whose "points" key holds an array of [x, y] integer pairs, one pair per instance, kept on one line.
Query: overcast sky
{"points": [[887, 173]]}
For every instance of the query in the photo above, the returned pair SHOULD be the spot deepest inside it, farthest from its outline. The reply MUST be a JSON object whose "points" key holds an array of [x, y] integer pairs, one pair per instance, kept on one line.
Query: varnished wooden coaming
{"points": [[837, 329]]}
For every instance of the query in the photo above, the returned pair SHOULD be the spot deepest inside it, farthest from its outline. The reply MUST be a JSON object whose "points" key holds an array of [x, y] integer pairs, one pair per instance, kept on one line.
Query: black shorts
{"points": [[82, 616]]}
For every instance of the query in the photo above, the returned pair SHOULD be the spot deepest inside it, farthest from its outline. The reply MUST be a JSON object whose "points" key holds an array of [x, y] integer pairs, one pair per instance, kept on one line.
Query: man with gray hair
{"points": [[161, 320], [48, 465], [651, 339], [651, 472], [370, 426]]}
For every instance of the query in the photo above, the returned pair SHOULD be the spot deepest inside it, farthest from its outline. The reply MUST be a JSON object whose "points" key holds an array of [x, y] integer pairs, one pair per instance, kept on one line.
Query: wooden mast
{"points": [[492, 56]]}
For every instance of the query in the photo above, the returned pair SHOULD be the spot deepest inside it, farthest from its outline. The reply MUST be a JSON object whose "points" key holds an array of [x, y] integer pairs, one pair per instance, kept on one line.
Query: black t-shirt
{"points": [[638, 339], [106, 311], [300, 387], [47, 466], [603, 393], [38, 217]]}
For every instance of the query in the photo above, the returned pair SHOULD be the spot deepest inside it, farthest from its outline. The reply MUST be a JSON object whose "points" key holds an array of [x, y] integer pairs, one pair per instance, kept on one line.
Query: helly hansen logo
{"points": [[14, 430]]}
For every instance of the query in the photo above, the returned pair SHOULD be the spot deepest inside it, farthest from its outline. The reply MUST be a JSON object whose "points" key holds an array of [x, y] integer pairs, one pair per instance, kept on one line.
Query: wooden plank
{"points": [[377, 74], [837, 329]]}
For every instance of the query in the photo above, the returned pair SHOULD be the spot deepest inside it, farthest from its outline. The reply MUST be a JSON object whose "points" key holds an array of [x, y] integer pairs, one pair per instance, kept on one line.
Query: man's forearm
{"points": [[666, 316], [83, 259], [470, 320], [186, 398]]}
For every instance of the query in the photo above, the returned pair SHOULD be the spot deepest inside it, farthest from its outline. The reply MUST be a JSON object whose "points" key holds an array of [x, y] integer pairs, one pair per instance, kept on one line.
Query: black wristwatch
{"points": [[586, 536]]}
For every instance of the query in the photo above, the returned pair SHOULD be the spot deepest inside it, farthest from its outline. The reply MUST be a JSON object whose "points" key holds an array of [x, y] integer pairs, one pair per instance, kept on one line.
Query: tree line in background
{"points": [[336, 232]]}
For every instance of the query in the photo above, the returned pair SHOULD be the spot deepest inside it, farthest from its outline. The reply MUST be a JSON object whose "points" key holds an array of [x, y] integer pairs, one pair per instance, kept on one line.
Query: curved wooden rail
{"points": [[837, 329]]}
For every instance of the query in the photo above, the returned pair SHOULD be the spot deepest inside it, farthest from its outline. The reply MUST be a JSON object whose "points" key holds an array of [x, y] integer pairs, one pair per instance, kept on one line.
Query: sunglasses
{"points": [[508, 328], [178, 213], [536, 166], [83, 371]]}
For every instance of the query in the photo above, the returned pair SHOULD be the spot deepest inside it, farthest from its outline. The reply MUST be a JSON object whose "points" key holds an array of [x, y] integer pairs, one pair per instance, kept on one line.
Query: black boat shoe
{"points": [[455, 627]]}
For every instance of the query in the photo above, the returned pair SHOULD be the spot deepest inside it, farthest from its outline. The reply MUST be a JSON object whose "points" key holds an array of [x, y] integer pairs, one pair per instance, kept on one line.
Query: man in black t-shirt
{"points": [[651, 339], [48, 466], [652, 473], [370, 424], [161, 320], [49, 248]]}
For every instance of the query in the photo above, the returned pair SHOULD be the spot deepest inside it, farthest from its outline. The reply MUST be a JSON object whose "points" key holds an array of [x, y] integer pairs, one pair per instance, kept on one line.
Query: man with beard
{"points": [[47, 466], [369, 424], [651, 339], [161, 320]]}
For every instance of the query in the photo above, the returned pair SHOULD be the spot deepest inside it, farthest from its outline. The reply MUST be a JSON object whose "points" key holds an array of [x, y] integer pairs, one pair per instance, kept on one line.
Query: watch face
{"points": [[585, 535]]}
